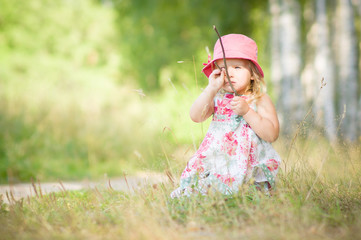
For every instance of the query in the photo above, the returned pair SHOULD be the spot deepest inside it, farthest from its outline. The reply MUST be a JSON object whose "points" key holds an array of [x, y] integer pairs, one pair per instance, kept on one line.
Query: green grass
{"points": [[74, 125], [63, 121], [80, 124], [64, 115], [67, 118], [310, 202]]}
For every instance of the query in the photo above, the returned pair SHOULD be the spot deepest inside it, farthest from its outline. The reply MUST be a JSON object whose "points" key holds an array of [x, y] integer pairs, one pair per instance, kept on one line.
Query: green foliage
{"points": [[76, 30], [60, 113], [156, 34], [99, 129]]}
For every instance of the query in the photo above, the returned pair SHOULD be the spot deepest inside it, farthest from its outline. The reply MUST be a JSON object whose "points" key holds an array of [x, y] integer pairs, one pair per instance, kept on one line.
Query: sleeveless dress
{"points": [[229, 156]]}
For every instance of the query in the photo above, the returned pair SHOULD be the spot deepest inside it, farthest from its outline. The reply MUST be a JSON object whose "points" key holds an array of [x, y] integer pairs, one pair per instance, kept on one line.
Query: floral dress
{"points": [[230, 155]]}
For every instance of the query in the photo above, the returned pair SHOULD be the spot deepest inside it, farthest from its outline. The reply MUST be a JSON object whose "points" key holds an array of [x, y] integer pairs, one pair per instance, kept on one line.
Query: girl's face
{"points": [[239, 74]]}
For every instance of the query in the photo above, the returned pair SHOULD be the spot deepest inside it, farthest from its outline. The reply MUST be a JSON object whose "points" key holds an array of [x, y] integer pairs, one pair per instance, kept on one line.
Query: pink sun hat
{"points": [[235, 46]]}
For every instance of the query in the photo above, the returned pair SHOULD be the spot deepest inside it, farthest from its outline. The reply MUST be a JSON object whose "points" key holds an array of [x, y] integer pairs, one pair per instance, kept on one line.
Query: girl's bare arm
{"points": [[264, 122], [203, 106]]}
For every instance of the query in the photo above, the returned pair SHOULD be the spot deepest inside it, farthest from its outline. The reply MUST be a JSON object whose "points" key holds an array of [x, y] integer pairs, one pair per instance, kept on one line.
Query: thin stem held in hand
{"points": [[225, 62]]}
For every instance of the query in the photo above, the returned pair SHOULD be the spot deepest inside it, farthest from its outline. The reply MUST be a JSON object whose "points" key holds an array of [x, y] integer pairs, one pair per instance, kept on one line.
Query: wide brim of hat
{"points": [[208, 69]]}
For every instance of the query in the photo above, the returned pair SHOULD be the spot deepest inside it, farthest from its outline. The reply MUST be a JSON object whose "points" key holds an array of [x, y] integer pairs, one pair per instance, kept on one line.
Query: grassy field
{"points": [[67, 113], [79, 124], [318, 197], [85, 126]]}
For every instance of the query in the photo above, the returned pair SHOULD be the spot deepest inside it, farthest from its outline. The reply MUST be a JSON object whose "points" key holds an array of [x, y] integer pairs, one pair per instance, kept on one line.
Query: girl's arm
{"points": [[203, 106], [264, 122]]}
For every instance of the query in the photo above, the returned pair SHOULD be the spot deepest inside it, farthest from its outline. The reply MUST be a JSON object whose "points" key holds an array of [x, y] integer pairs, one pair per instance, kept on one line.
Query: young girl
{"points": [[237, 145]]}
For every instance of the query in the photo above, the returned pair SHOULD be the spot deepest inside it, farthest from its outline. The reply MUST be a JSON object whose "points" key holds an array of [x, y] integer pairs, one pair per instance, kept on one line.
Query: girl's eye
{"points": [[237, 67]]}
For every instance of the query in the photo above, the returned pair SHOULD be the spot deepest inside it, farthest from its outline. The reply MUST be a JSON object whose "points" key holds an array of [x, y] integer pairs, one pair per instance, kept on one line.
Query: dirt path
{"points": [[127, 184]]}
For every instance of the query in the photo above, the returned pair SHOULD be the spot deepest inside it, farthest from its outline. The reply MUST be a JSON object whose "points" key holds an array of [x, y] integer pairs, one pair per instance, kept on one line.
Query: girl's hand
{"points": [[216, 79], [239, 106]]}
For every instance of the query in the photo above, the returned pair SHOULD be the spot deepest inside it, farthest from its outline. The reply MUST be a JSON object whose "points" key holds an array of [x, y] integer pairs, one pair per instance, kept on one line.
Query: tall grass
{"points": [[332, 211], [100, 127], [318, 189], [73, 124], [75, 136], [63, 116], [63, 113]]}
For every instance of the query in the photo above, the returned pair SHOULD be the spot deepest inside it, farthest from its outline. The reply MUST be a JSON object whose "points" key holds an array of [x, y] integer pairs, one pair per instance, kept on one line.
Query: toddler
{"points": [[237, 146]]}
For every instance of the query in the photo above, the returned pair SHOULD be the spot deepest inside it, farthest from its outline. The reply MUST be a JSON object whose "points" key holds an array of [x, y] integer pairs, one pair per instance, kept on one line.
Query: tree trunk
{"points": [[276, 72], [324, 65], [291, 95], [308, 71], [347, 56], [357, 4]]}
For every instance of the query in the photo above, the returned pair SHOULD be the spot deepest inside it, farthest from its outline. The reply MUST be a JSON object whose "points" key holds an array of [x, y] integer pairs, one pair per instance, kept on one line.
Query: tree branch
{"points": [[225, 63]]}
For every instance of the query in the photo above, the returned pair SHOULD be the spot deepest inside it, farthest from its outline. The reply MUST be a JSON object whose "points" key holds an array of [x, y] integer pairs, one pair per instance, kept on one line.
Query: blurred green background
{"points": [[89, 88]]}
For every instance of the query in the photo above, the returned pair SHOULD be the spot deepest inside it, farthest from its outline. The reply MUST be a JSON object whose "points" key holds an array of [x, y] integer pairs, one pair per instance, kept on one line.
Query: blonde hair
{"points": [[257, 86]]}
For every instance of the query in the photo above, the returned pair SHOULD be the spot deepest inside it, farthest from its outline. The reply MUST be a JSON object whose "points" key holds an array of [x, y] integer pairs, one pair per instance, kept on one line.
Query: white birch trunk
{"points": [[308, 72], [347, 56], [324, 65], [276, 72], [357, 4], [292, 101]]}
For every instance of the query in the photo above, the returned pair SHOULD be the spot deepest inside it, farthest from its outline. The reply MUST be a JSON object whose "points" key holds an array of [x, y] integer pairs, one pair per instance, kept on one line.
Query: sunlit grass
{"points": [[67, 122], [73, 124], [85, 125], [332, 211], [65, 115]]}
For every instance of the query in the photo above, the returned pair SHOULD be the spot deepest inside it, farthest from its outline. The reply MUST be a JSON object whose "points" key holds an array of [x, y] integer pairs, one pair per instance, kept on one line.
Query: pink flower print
{"points": [[222, 108], [204, 145], [230, 96], [229, 181], [186, 172], [229, 136], [244, 97], [244, 131], [194, 164], [252, 161], [243, 149], [225, 179], [228, 112], [219, 107], [230, 143], [272, 164], [198, 165]]}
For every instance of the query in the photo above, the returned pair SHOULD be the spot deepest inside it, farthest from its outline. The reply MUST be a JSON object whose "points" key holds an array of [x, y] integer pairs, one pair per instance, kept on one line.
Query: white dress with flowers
{"points": [[230, 155]]}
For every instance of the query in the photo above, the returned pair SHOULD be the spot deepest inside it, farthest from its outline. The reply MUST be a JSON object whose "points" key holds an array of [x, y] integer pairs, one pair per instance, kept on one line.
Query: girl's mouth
{"points": [[227, 83]]}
